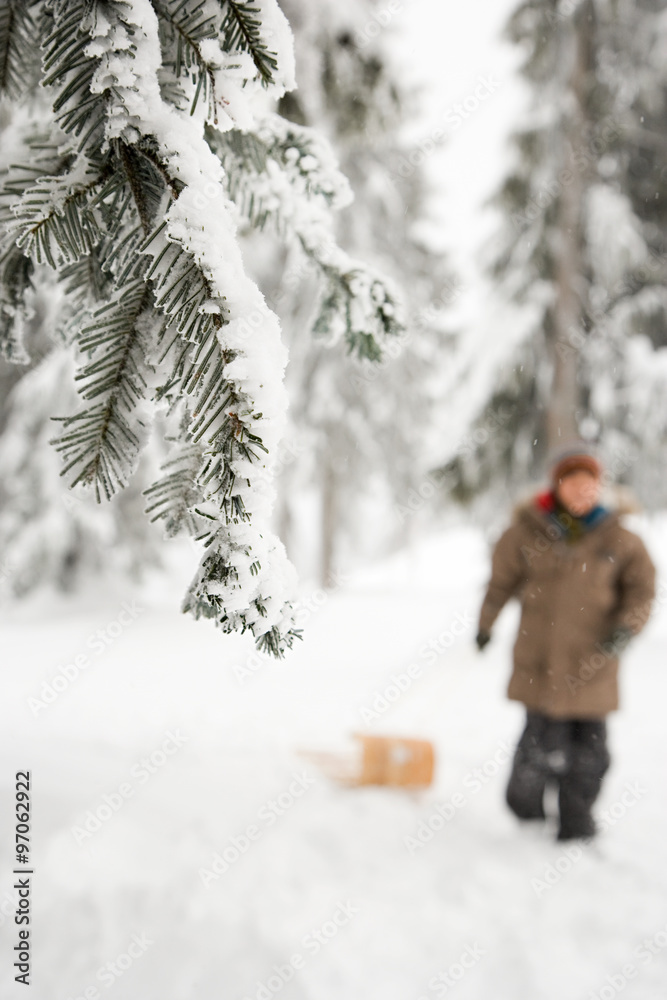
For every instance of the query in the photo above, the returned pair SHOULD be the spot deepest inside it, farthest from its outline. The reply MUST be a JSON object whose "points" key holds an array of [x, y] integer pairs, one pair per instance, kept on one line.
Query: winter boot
{"points": [[541, 756], [525, 791], [580, 785]]}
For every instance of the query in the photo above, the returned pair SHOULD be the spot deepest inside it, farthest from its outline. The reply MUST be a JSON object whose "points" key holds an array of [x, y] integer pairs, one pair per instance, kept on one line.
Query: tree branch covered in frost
{"points": [[282, 175], [135, 207]]}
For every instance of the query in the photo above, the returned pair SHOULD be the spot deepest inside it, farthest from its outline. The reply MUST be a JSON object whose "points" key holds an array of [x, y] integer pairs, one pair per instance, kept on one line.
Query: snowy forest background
{"points": [[457, 218], [531, 284]]}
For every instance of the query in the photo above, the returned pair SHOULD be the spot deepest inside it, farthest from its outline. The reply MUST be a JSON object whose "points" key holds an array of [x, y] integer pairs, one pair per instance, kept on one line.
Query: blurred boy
{"points": [[585, 584]]}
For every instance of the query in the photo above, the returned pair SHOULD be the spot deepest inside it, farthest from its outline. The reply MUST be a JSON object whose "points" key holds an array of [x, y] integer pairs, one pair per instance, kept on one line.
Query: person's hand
{"points": [[620, 637], [482, 639]]}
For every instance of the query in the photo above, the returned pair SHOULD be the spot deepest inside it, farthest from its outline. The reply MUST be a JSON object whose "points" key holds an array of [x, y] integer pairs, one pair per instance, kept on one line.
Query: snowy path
{"points": [[195, 759]]}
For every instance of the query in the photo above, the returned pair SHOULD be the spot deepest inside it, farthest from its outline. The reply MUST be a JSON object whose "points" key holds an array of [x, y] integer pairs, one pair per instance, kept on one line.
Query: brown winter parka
{"points": [[573, 595]]}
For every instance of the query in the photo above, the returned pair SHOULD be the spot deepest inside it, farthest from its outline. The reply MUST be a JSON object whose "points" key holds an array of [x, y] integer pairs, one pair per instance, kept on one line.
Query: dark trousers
{"points": [[570, 753]]}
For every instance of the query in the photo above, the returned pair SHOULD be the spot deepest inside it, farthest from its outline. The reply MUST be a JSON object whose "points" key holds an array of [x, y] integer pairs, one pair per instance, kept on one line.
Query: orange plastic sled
{"points": [[384, 760]]}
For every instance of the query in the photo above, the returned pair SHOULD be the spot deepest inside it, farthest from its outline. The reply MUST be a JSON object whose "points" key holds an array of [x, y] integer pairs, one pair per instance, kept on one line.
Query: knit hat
{"points": [[578, 456]]}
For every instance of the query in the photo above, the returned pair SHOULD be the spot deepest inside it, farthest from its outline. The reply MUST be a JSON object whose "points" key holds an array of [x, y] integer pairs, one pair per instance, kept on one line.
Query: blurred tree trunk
{"points": [[329, 519], [570, 280], [286, 521]]}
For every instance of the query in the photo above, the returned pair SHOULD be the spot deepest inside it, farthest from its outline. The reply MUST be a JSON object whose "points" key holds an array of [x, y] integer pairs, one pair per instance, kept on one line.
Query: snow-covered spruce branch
{"points": [[17, 269], [101, 445], [19, 60], [173, 497], [103, 65], [184, 27], [56, 221], [284, 175], [242, 31], [138, 213]]}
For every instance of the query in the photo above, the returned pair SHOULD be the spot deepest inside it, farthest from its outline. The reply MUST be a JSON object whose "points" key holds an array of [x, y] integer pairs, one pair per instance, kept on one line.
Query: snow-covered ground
{"points": [[183, 849]]}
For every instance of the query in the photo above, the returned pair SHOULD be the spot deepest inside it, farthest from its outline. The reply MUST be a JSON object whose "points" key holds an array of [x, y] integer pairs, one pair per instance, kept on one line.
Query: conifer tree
{"points": [[159, 133], [624, 357], [582, 248], [358, 429]]}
